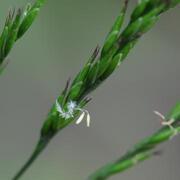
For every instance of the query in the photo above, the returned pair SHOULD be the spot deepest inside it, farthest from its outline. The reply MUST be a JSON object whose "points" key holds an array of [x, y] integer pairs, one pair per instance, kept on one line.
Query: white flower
{"points": [[71, 107], [168, 123]]}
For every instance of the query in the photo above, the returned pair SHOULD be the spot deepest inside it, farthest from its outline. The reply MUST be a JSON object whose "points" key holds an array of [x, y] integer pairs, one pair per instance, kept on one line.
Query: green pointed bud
{"points": [[149, 20], [104, 61], [125, 51], [112, 66], [17, 20], [75, 91], [83, 74], [63, 97], [132, 29], [27, 22], [115, 31], [29, 16], [141, 24], [12, 34], [93, 74], [139, 10], [155, 11], [103, 64], [147, 24]]}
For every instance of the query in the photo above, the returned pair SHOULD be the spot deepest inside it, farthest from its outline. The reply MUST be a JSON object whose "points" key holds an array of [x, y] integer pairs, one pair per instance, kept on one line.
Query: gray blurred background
{"points": [[56, 47]]}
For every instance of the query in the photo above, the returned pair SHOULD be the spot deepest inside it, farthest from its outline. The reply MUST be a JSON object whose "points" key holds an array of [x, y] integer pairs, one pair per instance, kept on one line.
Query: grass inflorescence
{"points": [[16, 25], [143, 150], [103, 62]]}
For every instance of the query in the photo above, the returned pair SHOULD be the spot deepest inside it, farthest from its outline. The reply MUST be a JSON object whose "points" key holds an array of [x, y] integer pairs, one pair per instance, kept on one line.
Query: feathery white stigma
{"points": [[71, 107]]}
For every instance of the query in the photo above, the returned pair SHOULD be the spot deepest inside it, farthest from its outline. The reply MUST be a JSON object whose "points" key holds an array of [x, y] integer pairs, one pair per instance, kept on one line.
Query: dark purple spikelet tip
{"points": [[95, 53]]}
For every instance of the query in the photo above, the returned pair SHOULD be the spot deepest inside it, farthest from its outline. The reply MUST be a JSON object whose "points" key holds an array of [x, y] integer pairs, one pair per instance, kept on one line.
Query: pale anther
{"points": [[168, 123]]}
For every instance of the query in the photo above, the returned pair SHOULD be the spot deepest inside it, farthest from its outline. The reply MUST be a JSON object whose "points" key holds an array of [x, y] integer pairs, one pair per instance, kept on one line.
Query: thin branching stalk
{"points": [[69, 105], [143, 150], [16, 25], [39, 148]]}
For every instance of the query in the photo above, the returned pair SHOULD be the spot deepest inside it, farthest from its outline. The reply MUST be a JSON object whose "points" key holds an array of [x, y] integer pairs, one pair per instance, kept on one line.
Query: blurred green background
{"points": [[55, 48]]}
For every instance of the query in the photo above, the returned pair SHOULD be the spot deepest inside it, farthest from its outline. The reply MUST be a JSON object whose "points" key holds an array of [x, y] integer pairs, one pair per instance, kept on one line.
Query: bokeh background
{"points": [[56, 47]]}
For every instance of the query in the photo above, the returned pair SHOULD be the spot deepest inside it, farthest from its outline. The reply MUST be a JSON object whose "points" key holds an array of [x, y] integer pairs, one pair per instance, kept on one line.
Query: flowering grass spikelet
{"points": [[168, 123], [69, 113]]}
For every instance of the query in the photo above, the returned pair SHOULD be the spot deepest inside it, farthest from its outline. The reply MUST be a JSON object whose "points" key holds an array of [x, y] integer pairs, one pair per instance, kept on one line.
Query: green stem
{"points": [[38, 150], [111, 169], [140, 152]]}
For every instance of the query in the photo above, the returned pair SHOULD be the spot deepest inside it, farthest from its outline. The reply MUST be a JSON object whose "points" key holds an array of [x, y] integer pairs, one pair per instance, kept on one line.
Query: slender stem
{"points": [[110, 169], [140, 152], [39, 148]]}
